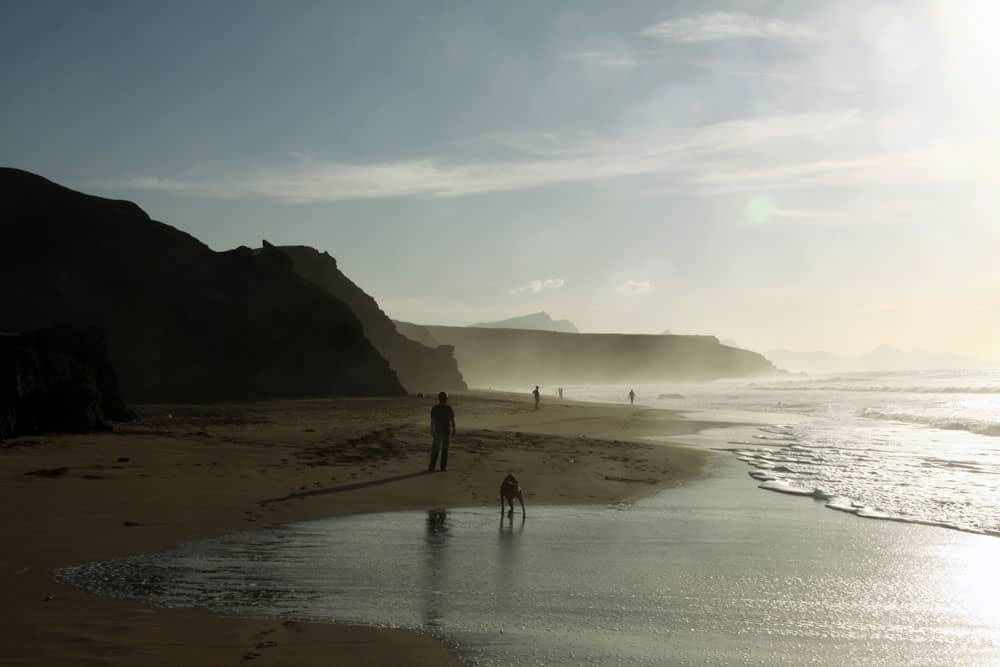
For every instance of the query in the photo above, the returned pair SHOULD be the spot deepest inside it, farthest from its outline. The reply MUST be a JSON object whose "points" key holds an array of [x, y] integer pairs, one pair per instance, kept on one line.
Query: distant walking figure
{"points": [[631, 397], [560, 392], [538, 395], [442, 430]]}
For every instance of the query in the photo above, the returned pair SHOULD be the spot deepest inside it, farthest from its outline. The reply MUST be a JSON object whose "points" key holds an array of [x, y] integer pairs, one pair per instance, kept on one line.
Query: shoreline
{"points": [[188, 472]]}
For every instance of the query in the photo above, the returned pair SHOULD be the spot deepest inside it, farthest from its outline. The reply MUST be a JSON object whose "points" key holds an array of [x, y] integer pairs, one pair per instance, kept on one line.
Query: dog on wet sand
{"points": [[510, 488]]}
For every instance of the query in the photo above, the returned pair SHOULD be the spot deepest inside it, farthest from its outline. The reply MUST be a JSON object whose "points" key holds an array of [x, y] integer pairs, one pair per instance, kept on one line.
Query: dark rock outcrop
{"points": [[513, 358], [57, 379], [420, 368], [183, 322]]}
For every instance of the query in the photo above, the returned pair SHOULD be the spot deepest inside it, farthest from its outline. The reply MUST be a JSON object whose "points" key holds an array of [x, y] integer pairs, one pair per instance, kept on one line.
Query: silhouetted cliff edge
{"points": [[511, 357], [183, 322], [420, 368]]}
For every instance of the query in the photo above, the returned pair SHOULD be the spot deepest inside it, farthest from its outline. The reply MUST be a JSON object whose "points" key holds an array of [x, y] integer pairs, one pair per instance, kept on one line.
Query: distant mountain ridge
{"points": [[182, 322], [540, 321], [420, 367]]}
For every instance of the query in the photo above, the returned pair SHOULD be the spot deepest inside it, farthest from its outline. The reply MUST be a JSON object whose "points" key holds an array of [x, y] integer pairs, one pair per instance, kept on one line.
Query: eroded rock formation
{"points": [[57, 379]]}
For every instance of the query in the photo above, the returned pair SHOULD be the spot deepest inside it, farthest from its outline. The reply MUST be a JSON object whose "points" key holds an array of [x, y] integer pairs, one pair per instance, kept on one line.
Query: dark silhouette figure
{"points": [[510, 488], [538, 395], [442, 429], [560, 392], [631, 396]]}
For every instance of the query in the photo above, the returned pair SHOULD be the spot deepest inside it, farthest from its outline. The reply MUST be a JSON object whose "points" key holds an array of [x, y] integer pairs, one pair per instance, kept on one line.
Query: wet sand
{"points": [[189, 472]]}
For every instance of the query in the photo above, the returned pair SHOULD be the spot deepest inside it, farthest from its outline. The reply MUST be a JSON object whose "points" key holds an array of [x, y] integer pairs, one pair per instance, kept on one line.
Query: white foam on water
{"points": [[915, 447], [978, 426]]}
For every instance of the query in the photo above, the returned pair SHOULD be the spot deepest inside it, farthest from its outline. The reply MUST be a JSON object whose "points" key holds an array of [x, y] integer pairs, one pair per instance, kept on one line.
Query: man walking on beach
{"points": [[442, 428], [538, 395], [631, 396]]}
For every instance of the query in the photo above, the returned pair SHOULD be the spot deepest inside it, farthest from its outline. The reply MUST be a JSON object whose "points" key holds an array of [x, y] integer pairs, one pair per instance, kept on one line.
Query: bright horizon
{"points": [[817, 177]]}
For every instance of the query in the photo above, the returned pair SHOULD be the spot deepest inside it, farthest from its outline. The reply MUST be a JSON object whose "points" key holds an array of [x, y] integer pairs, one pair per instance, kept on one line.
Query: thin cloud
{"points": [[634, 287], [536, 286], [671, 58], [721, 26], [678, 154], [945, 163], [604, 59]]}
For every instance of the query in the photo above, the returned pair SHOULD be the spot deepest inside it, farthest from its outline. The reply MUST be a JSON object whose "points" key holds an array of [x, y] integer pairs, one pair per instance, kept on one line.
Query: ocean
{"points": [[919, 447]]}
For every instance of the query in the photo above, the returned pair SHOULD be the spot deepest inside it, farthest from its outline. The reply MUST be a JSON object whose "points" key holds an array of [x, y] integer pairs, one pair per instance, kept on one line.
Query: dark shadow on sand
{"points": [[343, 487]]}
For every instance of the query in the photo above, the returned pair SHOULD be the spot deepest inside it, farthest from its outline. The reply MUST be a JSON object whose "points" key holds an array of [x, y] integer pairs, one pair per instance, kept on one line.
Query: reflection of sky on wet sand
{"points": [[711, 573]]}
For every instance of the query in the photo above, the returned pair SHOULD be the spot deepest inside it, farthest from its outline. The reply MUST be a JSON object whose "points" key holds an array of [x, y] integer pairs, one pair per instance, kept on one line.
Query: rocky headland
{"points": [[421, 367], [183, 322], [514, 358]]}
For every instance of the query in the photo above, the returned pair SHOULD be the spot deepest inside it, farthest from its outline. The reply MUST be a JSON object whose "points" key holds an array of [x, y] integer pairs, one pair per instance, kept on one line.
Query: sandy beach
{"points": [[189, 472]]}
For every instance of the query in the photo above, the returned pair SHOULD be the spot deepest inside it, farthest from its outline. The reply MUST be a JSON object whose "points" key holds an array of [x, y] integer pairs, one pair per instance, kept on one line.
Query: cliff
{"points": [[183, 322], [416, 332], [420, 368], [57, 379], [509, 357]]}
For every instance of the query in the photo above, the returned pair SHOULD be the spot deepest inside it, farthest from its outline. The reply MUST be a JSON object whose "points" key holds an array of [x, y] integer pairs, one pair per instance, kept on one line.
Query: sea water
{"points": [[712, 573], [920, 447]]}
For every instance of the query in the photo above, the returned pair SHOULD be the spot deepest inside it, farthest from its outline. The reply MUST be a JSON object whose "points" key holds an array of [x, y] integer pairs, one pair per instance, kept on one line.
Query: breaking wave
{"points": [[977, 426]]}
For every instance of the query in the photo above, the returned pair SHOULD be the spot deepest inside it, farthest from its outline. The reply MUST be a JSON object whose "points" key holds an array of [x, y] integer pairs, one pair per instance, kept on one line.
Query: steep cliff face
{"points": [[183, 322], [57, 379], [420, 368], [416, 332], [509, 357]]}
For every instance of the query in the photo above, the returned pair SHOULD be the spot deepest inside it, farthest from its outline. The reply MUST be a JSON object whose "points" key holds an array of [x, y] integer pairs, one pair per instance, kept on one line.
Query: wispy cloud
{"points": [[604, 59], [679, 154], [536, 286], [721, 26], [939, 164], [634, 287]]}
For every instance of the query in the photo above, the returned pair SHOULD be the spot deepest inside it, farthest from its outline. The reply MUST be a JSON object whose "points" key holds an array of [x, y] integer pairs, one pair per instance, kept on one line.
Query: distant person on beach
{"points": [[560, 392], [538, 396], [631, 397], [442, 430]]}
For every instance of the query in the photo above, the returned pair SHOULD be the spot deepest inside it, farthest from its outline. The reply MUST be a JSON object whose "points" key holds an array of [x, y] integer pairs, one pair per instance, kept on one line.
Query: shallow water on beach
{"points": [[711, 573]]}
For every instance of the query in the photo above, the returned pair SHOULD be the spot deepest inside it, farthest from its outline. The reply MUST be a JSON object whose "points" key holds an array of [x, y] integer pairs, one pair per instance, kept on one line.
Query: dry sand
{"points": [[188, 472]]}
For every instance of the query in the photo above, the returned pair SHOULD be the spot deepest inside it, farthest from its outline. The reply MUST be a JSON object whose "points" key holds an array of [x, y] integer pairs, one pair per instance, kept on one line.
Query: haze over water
{"points": [[920, 446]]}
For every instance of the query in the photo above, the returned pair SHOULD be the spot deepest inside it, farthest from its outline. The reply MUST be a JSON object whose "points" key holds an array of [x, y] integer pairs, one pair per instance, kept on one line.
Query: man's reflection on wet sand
{"points": [[436, 560]]}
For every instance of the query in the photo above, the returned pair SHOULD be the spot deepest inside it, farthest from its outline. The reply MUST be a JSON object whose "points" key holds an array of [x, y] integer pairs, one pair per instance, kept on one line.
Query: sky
{"points": [[784, 174]]}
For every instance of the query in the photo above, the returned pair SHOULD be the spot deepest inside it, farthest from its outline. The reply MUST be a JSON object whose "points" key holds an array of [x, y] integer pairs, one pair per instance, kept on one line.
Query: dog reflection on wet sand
{"points": [[510, 488]]}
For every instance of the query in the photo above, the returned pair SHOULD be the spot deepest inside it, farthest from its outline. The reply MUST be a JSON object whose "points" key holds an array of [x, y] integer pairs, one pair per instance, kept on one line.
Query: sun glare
{"points": [[971, 35]]}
